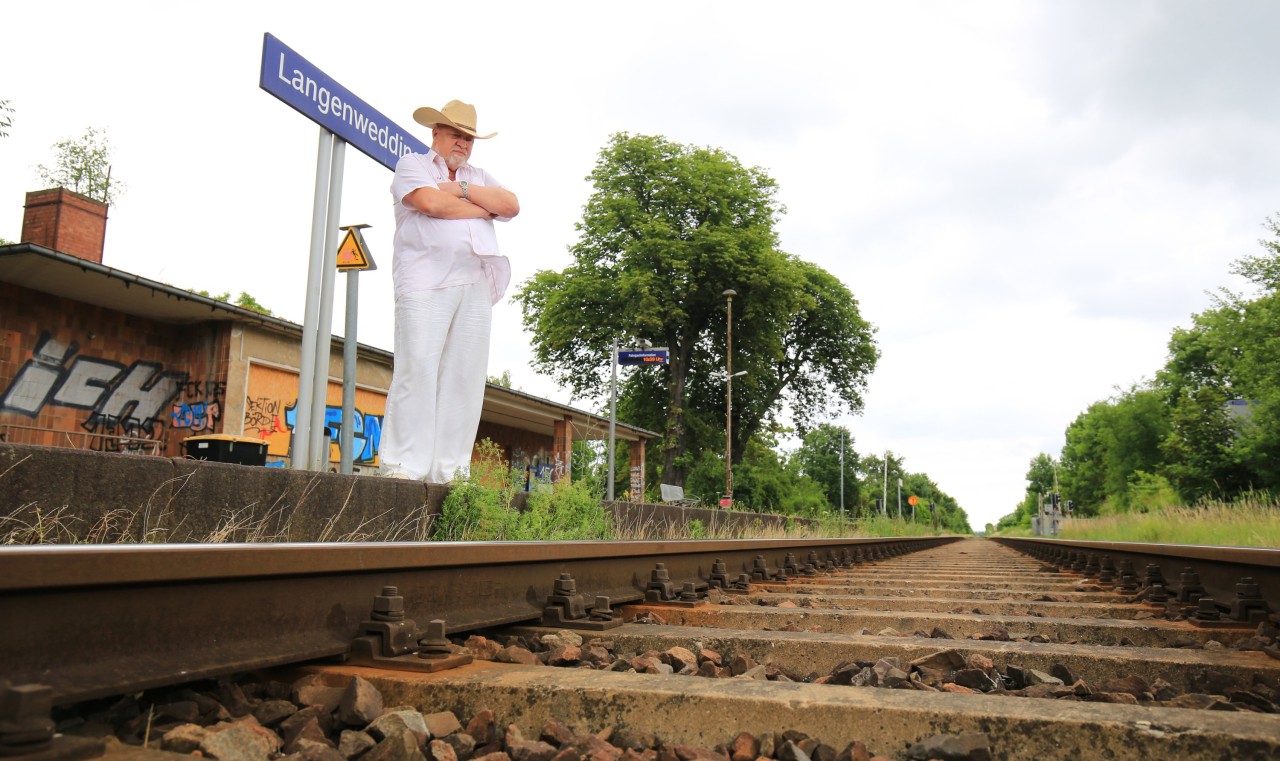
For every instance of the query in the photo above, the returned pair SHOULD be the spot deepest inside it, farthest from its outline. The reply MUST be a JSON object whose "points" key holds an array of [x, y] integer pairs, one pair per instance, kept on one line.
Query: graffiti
{"points": [[121, 437], [205, 389], [366, 440], [262, 415], [540, 467], [201, 407], [197, 416], [129, 399]]}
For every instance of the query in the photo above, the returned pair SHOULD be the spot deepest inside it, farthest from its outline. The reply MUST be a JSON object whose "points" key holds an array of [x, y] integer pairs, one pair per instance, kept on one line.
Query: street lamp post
{"points": [[729, 293], [842, 474], [613, 413]]}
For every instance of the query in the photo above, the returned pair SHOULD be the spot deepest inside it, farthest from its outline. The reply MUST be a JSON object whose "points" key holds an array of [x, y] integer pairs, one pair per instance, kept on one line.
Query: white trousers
{"points": [[437, 384]]}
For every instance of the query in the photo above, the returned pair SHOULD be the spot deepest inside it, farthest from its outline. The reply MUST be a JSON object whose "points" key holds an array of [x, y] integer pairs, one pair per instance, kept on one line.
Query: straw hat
{"points": [[461, 116]]}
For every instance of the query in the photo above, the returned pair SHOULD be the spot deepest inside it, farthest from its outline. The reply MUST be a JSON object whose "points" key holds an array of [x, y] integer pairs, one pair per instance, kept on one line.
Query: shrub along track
{"points": [[920, 638]]}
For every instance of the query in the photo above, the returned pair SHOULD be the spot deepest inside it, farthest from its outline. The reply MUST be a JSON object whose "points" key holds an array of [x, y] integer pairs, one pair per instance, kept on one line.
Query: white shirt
{"points": [[434, 253]]}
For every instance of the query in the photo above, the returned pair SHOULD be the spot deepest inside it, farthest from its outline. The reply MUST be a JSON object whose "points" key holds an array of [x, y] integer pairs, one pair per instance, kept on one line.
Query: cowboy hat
{"points": [[461, 116]]}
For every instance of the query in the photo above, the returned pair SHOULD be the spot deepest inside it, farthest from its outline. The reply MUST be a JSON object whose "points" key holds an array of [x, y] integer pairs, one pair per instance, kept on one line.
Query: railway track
{"points": [[1001, 649]]}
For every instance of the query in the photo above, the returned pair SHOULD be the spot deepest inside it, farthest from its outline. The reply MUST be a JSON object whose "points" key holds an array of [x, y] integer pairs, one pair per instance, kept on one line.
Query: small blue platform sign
{"points": [[643, 356], [314, 94]]}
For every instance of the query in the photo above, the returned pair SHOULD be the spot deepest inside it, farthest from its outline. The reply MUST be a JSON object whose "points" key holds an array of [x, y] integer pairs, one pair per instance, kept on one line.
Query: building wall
{"points": [[92, 378], [105, 380], [531, 452]]}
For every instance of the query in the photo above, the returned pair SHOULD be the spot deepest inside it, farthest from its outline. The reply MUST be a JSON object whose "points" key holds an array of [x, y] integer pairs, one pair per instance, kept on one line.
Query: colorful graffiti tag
{"points": [[269, 414], [123, 401], [366, 440]]}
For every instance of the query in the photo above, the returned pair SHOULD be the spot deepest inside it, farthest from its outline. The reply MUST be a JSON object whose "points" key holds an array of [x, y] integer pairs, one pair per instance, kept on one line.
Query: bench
{"points": [[674, 495]]}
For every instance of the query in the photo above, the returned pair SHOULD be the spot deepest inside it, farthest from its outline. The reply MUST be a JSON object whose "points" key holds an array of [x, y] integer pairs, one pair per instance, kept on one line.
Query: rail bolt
{"points": [[388, 606], [434, 644], [601, 610], [1189, 589], [26, 718], [1207, 610], [565, 585], [1249, 605], [688, 592], [661, 588]]}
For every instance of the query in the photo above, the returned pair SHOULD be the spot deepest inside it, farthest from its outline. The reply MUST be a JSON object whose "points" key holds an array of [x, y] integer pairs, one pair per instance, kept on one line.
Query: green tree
{"points": [[243, 300], [1110, 442], [766, 482], [667, 229], [83, 165], [819, 458], [1042, 474], [873, 482], [1263, 270], [503, 380]]}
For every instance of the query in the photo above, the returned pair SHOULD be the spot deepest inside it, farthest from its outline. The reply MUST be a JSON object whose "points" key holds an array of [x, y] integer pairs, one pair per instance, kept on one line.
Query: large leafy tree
{"points": [[83, 165], [1111, 442], [666, 231]]}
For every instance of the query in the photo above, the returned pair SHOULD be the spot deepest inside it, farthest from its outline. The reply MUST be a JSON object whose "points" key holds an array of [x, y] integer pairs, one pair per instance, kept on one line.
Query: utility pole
{"points": [[884, 493], [729, 293], [842, 474]]}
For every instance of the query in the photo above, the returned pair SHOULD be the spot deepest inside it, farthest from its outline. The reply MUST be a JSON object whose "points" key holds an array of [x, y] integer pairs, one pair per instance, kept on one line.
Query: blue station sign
{"points": [[643, 356], [314, 94]]}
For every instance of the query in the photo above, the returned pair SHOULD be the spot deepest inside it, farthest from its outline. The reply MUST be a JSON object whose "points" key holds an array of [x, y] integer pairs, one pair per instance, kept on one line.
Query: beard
{"points": [[455, 160]]}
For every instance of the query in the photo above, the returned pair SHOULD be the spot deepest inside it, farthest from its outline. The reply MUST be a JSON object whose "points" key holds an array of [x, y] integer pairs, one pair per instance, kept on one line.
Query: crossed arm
{"points": [[446, 202]]}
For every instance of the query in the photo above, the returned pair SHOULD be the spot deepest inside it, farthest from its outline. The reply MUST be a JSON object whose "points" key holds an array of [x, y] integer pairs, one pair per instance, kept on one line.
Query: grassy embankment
{"points": [[1252, 521]]}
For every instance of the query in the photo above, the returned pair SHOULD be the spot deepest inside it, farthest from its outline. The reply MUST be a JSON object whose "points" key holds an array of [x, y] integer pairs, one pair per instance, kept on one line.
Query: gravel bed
{"points": [[944, 671], [311, 721]]}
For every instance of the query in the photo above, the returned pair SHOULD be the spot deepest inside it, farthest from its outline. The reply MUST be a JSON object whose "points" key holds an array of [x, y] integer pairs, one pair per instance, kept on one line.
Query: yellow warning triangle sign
{"points": [[353, 254]]}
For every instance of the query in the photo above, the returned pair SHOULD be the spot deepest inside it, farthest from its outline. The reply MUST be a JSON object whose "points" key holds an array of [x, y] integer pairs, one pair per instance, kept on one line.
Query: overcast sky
{"points": [[1025, 197]]}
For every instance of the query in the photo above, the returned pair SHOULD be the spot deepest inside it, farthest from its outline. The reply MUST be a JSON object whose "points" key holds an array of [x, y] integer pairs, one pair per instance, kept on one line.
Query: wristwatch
{"points": [[463, 184]]}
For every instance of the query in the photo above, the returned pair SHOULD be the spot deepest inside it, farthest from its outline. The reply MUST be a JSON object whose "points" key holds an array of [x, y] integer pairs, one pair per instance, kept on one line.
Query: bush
{"points": [[479, 507]]}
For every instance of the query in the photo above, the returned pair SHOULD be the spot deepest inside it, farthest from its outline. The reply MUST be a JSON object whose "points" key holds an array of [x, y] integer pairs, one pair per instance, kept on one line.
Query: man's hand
{"points": [[442, 204]]}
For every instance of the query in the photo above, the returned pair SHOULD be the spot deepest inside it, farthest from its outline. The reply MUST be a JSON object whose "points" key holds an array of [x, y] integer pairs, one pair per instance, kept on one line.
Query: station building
{"points": [[96, 358]]}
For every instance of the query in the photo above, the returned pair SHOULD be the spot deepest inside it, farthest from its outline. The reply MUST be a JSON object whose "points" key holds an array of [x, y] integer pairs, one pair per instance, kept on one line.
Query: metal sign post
{"points": [[353, 256], [343, 118], [644, 356]]}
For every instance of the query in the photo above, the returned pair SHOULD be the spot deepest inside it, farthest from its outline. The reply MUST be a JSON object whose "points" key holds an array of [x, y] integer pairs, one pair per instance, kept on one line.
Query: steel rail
{"points": [[94, 621], [1220, 569]]}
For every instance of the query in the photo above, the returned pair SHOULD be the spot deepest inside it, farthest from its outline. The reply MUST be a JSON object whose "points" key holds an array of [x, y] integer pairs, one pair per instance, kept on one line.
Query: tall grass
{"points": [[1251, 521]]}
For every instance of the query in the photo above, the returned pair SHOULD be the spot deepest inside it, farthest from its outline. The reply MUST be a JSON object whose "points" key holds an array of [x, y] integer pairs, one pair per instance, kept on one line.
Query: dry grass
{"points": [[156, 521], [1252, 521]]}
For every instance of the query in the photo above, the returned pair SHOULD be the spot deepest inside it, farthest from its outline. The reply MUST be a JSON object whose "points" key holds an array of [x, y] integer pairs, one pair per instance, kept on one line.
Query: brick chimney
{"points": [[65, 221]]}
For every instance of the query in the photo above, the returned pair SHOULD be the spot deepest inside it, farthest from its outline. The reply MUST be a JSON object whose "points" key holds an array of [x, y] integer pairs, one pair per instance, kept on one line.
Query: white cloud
{"points": [[1025, 197]]}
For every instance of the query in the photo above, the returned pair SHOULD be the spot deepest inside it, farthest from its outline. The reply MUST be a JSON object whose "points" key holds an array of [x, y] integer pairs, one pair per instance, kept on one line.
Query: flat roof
{"points": [[66, 276]]}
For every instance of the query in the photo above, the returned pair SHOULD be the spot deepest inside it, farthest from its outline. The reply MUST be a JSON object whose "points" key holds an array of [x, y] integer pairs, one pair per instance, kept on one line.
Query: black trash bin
{"points": [[218, 447]]}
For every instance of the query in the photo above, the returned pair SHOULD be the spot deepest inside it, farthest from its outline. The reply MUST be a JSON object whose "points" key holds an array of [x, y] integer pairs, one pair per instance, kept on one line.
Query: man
{"points": [[447, 274]]}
